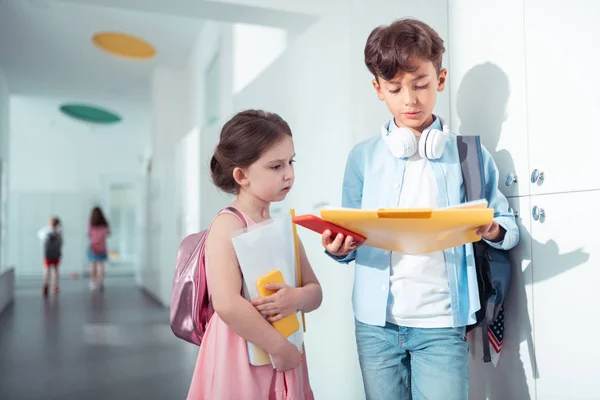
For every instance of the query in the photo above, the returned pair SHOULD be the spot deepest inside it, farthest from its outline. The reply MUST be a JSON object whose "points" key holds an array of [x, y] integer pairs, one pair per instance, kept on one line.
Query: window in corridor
{"points": [[255, 48]]}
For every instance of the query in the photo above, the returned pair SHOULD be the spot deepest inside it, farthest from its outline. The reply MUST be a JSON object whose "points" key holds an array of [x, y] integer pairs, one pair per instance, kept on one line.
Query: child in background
{"points": [[98, 231], [253, 161], [51, 237]]}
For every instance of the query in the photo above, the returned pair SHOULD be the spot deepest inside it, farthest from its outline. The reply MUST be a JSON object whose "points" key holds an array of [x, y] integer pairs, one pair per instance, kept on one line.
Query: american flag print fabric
{"points": [[496, 336]]}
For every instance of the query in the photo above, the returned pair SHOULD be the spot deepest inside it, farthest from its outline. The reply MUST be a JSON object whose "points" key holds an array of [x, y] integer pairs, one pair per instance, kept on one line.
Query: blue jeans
{"points": [[401, 363]]}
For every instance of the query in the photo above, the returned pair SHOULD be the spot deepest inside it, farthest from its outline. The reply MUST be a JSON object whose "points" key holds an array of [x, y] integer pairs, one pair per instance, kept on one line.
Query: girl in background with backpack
{"points": [[51, 237], [98, 231], [254, 161]]}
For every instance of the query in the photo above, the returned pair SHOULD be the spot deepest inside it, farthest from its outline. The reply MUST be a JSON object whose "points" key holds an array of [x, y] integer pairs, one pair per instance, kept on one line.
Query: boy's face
{"points": [[411, 96]]}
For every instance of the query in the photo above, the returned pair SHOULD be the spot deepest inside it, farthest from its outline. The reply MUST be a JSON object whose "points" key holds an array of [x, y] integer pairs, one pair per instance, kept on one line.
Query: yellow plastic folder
{"points": [[289, 324], [415, 230]]}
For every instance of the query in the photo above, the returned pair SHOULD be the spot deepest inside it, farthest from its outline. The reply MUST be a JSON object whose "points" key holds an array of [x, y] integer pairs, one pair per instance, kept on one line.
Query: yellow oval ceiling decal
{"points": [[124, 45]]}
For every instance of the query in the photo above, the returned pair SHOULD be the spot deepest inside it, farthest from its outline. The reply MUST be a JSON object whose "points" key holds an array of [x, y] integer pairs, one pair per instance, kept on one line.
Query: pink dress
{"points": [[223, 371]]}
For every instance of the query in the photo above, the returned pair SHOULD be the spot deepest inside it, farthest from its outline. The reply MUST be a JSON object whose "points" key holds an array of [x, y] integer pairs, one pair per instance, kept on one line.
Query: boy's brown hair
{"points": [[396, 48]]}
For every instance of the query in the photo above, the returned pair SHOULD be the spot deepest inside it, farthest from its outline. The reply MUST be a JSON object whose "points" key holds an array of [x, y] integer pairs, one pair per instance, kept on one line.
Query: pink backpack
{"points": [[191, 307], [97, 235]]}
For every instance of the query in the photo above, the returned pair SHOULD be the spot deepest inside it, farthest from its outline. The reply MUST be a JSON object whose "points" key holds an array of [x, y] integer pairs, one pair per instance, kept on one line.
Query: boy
{"points": [[411, 310], [51, 237]]}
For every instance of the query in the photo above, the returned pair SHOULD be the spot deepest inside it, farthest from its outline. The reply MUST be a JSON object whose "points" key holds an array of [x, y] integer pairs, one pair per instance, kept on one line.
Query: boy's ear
{"points": [[240, 176], [378, 89], [442, 79]]}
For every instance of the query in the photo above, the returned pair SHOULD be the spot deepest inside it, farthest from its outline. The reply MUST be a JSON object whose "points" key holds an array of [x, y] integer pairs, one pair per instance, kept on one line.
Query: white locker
{"points": [[487, 84], [566, 274], [563, 93]]}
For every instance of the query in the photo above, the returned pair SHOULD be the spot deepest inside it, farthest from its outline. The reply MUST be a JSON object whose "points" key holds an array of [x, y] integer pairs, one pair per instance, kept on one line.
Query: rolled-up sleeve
{"points": [[496, 200]]}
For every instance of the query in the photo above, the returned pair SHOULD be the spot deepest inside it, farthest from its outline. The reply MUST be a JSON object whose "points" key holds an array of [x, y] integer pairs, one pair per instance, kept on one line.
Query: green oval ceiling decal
{"points": [[90, 113]]}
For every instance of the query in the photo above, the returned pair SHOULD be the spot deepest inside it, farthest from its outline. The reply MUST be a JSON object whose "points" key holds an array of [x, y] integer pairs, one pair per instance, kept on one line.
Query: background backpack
{"points": [[97, 236], [191, 306], [492, 265], [52, 246]]}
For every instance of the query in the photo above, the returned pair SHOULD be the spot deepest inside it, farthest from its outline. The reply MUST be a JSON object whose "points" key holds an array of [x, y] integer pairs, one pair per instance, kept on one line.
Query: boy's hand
{"points": [[285, 301], [338, 246], [492, 232]]}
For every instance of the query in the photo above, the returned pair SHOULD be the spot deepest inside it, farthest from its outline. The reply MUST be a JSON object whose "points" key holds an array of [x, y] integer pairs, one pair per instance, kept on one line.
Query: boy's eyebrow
{"points": [[397, 82], [421, 77]]}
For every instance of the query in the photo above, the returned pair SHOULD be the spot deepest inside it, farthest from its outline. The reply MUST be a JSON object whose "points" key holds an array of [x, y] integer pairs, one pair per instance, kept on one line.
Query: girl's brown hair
{"points": [[97, 218], [244, 138]]}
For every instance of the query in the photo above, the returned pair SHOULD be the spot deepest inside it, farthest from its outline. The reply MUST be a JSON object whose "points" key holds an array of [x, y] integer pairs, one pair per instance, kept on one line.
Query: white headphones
{"points": [[403, 143]]}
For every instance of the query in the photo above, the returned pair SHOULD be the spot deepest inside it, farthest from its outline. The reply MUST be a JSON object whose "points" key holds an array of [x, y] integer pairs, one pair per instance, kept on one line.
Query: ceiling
{"points": [[46, 47]]}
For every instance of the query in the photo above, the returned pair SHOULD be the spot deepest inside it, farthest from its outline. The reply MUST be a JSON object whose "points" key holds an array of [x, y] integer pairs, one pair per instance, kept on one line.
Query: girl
{"points": [[98, 231], [253, 160]]}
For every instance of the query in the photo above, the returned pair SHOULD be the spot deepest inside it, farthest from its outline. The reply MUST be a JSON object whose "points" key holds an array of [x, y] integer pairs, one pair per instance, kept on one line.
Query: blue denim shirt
{"points": [[372, 180]]}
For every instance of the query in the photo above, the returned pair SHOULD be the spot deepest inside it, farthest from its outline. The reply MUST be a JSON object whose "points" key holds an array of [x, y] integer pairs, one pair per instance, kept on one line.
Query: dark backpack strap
{"points": [[485, 340], [471, 163]]}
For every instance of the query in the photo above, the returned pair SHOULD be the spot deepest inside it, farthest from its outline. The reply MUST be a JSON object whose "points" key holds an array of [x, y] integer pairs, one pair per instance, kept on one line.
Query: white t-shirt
{"points": [[420, 295]]}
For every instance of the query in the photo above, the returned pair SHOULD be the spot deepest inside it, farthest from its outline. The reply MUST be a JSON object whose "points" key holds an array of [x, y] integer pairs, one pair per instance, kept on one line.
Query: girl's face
{"points": [[271, 177]]}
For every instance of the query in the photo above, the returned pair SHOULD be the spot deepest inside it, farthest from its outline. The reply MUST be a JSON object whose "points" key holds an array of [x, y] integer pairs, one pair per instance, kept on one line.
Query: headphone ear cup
{"points": [[435, 142], [423, 143], [440, 144], [402, 142], [410, 142]]}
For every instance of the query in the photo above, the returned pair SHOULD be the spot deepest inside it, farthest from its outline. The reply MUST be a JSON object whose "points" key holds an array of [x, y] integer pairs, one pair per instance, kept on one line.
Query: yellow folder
{"points": [[298, 266], [414, 230], [289, 324]]}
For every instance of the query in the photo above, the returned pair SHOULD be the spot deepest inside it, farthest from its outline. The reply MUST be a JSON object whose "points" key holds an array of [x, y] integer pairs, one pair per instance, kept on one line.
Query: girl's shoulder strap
{"points": [[237, 213]]}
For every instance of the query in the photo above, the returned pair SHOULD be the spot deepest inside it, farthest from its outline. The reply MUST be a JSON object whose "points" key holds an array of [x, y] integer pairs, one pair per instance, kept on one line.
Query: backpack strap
{"points": [[242, 218], [237, 213], [471, 163]]}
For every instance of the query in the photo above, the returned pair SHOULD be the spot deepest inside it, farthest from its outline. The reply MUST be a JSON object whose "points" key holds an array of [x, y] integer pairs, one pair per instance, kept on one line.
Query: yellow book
{"points": [[288, 325], [297, 253], [415, 230]]}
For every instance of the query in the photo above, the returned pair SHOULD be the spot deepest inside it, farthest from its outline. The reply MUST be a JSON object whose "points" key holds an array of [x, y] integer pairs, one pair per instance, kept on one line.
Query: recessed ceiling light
{"points": [[124, 45], [90, 113]]}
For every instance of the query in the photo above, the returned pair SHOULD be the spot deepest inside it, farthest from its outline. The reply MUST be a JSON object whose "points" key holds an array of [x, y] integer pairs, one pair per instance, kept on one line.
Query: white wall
{"points": [[215, 38], [322, 88], [6, 274], [63, 166], [178, 108], [4, 133], [255, 47], [169, 124]]}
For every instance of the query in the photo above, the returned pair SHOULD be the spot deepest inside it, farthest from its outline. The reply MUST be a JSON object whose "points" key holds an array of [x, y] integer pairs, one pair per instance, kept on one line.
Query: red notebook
{"points": [[319, 225]]}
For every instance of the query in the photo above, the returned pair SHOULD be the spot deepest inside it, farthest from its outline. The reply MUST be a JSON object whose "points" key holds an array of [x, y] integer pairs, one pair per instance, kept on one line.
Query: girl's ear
{"points": [[240, 176]]}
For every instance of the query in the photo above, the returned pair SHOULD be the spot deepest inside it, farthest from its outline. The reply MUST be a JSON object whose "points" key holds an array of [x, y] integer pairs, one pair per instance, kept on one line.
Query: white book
{"points": [[260, 249]]}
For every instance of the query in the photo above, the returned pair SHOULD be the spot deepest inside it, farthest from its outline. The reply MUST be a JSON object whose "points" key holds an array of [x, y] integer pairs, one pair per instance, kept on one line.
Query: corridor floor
{"points": [[91, 345]]}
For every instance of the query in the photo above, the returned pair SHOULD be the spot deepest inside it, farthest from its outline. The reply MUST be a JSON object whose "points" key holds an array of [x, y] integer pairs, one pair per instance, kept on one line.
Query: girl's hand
{"points": [[284, 302], [287, 358]]}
